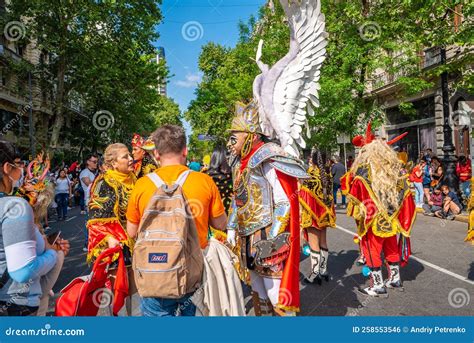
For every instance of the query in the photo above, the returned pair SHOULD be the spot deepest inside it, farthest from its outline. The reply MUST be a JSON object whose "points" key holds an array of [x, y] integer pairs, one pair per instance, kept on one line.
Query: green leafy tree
{"points": [[365, 37], [99, 52]]}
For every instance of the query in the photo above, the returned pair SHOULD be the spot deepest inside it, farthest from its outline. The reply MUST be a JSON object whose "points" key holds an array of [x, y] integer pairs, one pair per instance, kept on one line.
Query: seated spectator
{"points": [[435, 203], [451, 204], [437, 176], [435, 163]]}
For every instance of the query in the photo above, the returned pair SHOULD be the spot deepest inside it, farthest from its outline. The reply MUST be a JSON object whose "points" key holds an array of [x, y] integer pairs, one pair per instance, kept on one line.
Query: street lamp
{"points": [[449, 159]]}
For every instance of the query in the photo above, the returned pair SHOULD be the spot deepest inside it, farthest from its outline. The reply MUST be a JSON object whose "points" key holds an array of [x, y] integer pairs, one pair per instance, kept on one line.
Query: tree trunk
{"points": [[59, 108], [59, 115]]}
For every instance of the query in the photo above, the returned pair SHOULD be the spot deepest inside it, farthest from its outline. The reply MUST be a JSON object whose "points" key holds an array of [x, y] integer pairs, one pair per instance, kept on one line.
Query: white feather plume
{"points": [[286, 92]]}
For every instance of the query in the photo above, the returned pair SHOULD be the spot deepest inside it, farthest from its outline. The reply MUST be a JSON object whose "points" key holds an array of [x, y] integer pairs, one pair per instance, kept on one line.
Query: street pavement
{"points": [[438, 281]]}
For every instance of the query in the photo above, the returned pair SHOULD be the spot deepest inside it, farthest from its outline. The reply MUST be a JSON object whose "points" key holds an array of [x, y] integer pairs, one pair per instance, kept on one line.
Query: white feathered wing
{"points": [[287, 91]]}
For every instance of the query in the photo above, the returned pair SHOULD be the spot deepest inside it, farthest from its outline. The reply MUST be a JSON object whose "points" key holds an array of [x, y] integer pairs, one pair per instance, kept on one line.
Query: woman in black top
{"points": [[221, 173], [437, 176]]}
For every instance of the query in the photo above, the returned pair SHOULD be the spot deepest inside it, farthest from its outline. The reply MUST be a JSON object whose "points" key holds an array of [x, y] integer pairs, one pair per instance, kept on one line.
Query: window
{"points": [[422, 109]]}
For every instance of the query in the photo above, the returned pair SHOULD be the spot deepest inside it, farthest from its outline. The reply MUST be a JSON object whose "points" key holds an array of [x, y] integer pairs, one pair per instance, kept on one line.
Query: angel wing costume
{"points": [[265, 208]]}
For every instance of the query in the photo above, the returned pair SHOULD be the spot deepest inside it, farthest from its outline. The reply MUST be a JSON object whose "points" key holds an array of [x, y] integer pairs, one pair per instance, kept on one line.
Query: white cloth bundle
{"points": [[221, 292]]}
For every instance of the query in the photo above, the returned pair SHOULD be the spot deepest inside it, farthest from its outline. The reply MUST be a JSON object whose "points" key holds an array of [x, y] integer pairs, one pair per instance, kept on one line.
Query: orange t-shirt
{"points": [[200, 191]]}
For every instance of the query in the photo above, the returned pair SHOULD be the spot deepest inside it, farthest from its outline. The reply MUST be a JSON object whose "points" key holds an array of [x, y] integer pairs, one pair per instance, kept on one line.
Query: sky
{"points": [[190, 24]]}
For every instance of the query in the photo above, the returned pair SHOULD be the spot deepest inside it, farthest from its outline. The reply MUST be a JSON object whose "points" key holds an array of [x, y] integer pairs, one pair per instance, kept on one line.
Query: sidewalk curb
{"points": [[459, 218], [462, 218]]}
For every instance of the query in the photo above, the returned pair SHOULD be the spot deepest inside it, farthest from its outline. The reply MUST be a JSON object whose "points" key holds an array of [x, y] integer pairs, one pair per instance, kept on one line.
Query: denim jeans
{"points": [[86, 231], [160, 307], [82, 202], [418, 193], [62, 201], [335, 188]]}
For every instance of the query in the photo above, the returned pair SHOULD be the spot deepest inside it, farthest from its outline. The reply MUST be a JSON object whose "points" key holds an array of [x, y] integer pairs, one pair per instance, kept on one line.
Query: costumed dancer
{"points": [[36, 179], [265, 214], [143, 160], [265, 209], [382, 205], [107, 222], [317, 214]]}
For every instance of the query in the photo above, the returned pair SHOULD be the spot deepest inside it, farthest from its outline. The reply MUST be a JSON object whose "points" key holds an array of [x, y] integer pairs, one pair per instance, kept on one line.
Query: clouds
{"points": [[191, 80]]}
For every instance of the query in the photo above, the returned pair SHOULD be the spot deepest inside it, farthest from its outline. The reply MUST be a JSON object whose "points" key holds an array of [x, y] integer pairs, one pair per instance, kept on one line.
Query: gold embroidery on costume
{"points": [[314, 188]]}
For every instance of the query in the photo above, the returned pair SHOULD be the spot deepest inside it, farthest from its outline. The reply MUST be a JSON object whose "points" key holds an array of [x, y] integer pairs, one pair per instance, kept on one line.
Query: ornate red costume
{"points": [[317, 214], [382, 205]]}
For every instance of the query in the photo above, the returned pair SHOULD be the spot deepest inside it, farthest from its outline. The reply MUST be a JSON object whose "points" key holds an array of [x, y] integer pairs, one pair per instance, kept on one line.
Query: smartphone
{"points": [[53, 238]]}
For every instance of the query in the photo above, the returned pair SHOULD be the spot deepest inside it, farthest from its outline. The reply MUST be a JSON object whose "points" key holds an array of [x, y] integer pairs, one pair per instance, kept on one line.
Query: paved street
{"points": [[441, 263]]}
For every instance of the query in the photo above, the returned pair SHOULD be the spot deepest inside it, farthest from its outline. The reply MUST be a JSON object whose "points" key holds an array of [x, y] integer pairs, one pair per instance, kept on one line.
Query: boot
{"points": [[361, 260], [394, 281], [323, 268], [262, 307], [314, 276], [377, 287]]}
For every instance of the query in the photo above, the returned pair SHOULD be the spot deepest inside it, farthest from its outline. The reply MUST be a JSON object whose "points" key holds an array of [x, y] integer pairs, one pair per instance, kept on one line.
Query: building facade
{"points": [[425, 120]]}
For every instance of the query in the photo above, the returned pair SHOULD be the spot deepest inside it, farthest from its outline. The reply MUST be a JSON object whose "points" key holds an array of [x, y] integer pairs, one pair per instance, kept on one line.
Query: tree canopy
{"points": [[99, 53], [363, 39]]}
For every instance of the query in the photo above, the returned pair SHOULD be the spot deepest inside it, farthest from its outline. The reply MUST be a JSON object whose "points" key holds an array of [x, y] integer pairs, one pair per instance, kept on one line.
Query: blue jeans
{"points": [[160, 307], [62, 200], [86, 232], [418, 193], [82, 202], [335, 188], [466, 188]]}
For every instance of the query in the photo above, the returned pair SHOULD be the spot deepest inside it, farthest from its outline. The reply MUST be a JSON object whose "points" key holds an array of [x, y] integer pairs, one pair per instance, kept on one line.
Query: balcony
{"points": [[9, 54], [13, 95], [431, 57]]}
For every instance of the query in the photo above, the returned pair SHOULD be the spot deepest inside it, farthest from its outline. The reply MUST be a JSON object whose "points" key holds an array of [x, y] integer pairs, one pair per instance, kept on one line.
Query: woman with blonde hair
{"points": [[107, 207]]}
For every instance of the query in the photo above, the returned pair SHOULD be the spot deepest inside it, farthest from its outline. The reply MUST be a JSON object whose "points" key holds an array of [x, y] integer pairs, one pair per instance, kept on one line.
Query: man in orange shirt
{"points": [[201, 193]]}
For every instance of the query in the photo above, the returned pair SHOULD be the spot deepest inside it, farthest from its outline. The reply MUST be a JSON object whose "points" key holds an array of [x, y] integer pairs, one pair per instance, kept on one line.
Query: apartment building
{"points": [[425, 123]]}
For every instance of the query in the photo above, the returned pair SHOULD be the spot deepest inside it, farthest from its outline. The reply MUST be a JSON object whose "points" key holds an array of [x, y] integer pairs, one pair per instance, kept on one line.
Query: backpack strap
{"points": [[169, 189], [182, 178], [156, 179]]}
